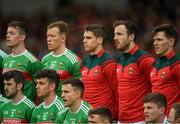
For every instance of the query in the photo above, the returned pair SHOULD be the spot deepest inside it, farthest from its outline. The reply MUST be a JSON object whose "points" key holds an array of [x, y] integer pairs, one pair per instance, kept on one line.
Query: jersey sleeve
{"points": [[33, 119], [75, 70], [29, 114], [109, 69]]}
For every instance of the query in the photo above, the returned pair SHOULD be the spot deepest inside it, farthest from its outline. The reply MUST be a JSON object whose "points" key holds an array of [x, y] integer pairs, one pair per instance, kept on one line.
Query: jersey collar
{"points": [[134, 49], [170, 54], [100, 53]]}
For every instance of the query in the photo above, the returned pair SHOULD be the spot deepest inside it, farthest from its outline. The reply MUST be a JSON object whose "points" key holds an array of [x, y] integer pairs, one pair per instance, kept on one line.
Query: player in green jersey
{"points": [[100, 115], [46, 85], [19, 108], [76, 110], [2, 56], [61, 59], [20, 59]]}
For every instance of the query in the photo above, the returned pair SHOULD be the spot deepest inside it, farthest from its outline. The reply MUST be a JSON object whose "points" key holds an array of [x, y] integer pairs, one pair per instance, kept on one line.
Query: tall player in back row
{"points": [[20, 59], [99, 71], [61, 59], [165, 76], [133, 70]]}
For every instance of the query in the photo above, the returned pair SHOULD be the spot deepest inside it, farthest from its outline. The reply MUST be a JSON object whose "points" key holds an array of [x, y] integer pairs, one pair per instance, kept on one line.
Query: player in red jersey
{"points": [[99, 71], [165, 76], [133, 70]]}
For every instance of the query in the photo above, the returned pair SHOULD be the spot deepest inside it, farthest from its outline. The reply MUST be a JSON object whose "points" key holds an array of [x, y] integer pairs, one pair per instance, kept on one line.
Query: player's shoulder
{"points": [[58, 103], [28, 103], [63, 111], [3, 54], [86, 107], [71, 56], [47, 56], [30, 56]]}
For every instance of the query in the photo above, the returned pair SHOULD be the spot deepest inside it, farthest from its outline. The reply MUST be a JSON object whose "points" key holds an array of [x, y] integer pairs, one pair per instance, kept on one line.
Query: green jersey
{"points": [[28, 65], [66, 65], [17, 112], [2, 56], [3, 100], [65, 116], [47, 114]]}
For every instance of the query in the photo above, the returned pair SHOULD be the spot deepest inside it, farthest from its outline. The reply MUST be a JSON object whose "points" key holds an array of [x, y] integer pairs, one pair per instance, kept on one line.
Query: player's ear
{"points": [[99, 40], [131, 36], [19, 86]]}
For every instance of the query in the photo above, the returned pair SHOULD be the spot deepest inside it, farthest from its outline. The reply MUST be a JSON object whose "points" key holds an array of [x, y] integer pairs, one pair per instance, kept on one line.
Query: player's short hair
{"points": [[19, 25], [51, 75], [176, 107], [169, 30], [97, 29], [103, 112], [61, 25], [157, 98], [76, 83], [130, 26], [14, 74]]}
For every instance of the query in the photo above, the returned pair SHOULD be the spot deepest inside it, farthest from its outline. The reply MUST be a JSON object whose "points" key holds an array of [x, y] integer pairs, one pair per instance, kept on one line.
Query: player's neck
{"points": [[129, 47], [49, 99], [19, 96], [18, 49], [76, 106], [97, 50], [60, 50], [161, 119]]}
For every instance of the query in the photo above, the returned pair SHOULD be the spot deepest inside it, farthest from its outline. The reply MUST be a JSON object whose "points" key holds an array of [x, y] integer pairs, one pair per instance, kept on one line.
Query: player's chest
{"points": [[13, 112]]}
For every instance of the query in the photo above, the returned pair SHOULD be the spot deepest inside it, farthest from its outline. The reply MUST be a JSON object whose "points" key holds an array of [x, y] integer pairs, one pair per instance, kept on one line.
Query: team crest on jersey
{"points": [[95, 72], [60, 64], [163, 74], [18, 65], [19, 114], [131, 69]]}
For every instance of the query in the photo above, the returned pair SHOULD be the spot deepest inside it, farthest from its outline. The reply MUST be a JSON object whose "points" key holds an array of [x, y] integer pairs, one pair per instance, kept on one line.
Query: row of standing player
{"points": [[120, 86]]}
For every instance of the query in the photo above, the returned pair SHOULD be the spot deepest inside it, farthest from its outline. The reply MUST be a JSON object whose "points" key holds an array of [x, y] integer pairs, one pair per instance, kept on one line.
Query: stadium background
{"points": [[37, 14]]}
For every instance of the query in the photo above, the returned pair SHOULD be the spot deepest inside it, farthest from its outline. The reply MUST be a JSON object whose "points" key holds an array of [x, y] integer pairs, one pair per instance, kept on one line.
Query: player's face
{"points": [[171, 117], [14, 37], [43, 87], [121, 38], [90, 41], [10, 88], [68, 95], [162, 44], [54, 39], [152, 112], [95, 119]]}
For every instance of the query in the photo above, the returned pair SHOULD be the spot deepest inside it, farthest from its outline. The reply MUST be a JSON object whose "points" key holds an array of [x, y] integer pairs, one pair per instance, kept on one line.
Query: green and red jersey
{"points": [[66, 116], [133, 75], [66, 65], [28, 65], [47, 114], [100, 81], [17, 113], [165, 78]]}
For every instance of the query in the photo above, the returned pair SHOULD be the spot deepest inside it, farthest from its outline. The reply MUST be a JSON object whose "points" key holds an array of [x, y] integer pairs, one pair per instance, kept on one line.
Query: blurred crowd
{"points": [[147, 14]]}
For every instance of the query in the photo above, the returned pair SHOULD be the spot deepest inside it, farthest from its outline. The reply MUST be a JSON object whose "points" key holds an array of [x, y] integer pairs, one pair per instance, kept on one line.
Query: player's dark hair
{"points": [[77, 84], [14, 74], [98, 30], [20, 25], [157, 98], [102, 112], [51, 75], [176, 107], [169, 30], [130, 26]]}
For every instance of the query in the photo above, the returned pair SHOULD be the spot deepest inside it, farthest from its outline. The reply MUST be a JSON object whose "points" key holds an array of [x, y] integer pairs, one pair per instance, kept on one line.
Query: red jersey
{"points": [[165, 78], [133, 70], [99, 77]]}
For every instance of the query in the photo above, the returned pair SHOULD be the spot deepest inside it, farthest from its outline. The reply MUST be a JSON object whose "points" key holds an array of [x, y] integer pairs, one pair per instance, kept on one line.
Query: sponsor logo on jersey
{"points": [[60, 64], [18, 65]]}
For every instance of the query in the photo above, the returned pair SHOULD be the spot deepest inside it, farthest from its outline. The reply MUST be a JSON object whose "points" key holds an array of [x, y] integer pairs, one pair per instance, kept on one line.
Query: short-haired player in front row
{"points": [[46, 85], [76, 110], [19, 108]]}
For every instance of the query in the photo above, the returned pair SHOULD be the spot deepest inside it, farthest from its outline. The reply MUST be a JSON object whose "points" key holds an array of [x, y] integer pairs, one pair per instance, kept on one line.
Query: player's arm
{"points": [[75, 70]]}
